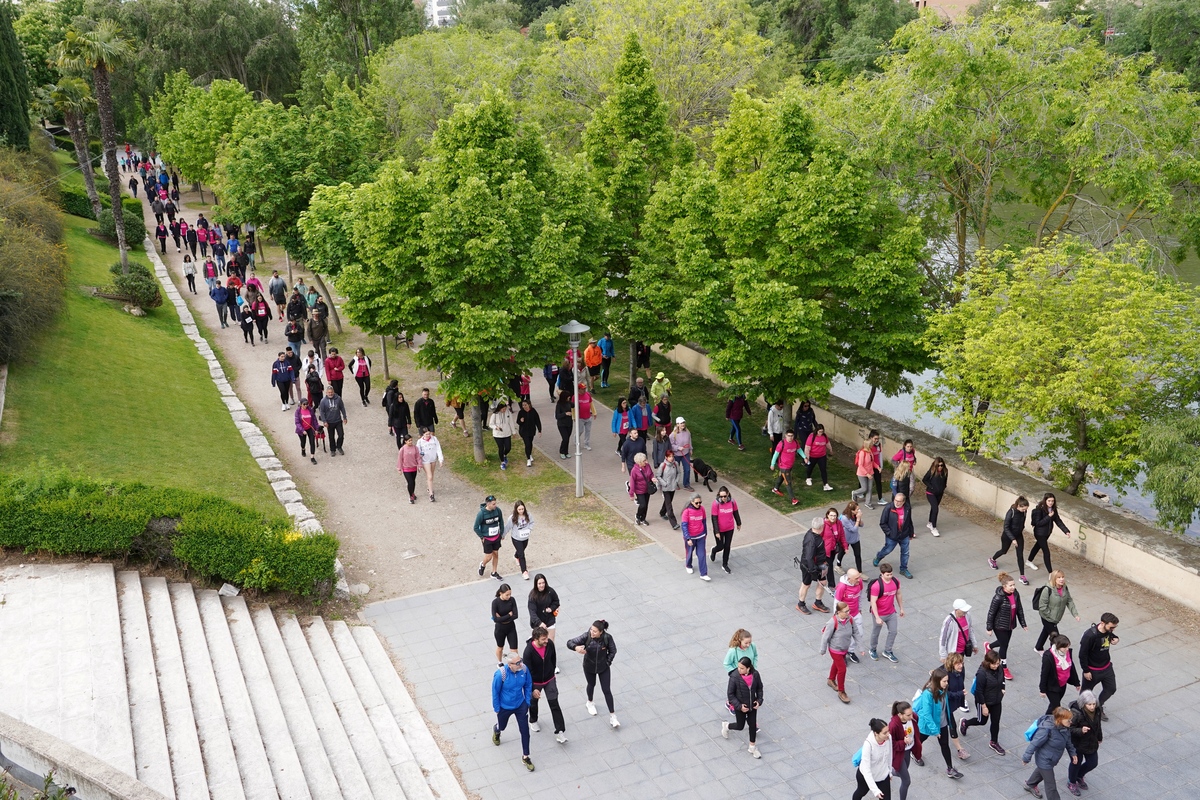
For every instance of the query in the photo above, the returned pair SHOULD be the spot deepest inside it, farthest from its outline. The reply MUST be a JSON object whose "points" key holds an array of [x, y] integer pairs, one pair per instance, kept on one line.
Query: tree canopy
{"points": [[14, 85], [200, 121]]}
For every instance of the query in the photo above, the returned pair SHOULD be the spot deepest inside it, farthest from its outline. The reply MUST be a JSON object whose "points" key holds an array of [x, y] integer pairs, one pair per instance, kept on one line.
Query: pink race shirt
{"points": [[724, 514], [787, 453], [849, 595], [884, 593]]}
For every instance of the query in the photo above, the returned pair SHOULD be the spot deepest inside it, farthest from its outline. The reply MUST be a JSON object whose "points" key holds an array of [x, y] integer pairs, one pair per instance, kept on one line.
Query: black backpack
{"points": [[1037, 596]]}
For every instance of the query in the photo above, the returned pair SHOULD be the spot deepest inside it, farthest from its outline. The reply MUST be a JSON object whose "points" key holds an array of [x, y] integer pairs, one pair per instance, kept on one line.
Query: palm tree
{"points": [[102, 50], [72, 97]]}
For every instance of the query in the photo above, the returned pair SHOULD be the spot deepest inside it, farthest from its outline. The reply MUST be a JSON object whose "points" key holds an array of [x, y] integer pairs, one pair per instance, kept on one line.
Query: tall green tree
{"points": [[40, 25], [836, 38], [1171, 449], [167, 102], [201, 122], [102, 50], [630, 147], [1072, 346], [1173, 28], [14, 85], [72, 98]]}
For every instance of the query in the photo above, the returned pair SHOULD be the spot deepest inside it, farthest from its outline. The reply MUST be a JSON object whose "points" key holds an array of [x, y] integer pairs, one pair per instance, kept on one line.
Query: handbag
{"points": [[969, 646]]}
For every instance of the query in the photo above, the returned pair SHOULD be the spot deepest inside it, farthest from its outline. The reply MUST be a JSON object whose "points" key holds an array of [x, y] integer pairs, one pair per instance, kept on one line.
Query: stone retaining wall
{"points": [[1160, 561]]}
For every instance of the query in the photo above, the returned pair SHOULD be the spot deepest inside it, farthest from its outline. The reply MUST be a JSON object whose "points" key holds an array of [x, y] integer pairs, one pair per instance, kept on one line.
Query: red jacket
{"points": [[334, 367], [896, 729]]}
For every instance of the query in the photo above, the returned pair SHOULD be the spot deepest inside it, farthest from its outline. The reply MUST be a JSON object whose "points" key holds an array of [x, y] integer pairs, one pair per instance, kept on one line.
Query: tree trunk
{"points": [[632, 364], [1081, 442], [871, 397], [84, 157], [337, 321], [960, 236], [478, 409], [108, 135], [972, 432], [1077, 478]]}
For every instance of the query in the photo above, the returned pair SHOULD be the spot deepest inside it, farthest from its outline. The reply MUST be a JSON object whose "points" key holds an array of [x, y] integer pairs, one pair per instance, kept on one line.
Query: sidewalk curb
{"points": [[260, 447]]}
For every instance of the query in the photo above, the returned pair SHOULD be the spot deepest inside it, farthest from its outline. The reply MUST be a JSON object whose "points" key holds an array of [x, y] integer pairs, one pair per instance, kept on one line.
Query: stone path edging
{"points": [[260, 448]]}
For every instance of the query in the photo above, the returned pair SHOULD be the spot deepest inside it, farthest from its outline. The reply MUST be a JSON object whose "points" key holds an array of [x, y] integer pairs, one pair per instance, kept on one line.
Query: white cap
{"points": [[678, 420], [961, 605]]}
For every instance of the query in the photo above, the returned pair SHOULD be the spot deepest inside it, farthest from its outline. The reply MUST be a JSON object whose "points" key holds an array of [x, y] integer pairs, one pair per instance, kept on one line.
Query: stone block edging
{"points": [[260, 447], [1160, 561]]}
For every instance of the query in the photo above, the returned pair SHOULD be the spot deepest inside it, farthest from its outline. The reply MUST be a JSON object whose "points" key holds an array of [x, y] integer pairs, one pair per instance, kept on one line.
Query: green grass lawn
{"points": [[696, 399], [116, 397]]}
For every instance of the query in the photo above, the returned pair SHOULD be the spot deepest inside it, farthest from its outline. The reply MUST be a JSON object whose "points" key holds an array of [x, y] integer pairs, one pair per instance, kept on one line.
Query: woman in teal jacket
{"points": [[933, 716]]}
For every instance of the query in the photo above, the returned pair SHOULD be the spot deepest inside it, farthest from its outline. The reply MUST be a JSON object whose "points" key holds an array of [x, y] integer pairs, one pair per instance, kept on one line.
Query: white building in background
{"points": [[439, 13]]}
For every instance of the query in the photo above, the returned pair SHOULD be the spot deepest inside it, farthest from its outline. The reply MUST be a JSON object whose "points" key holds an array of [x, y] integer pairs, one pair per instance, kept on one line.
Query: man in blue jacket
{"points": [[512, 689], [897, 526], [220, 296], [606, 356]]}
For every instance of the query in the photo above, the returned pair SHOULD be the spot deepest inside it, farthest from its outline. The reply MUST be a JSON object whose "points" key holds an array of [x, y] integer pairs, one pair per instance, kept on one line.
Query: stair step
{"points": [[336, 743], [278, 739], [416, 732], [220, 761], [367, 748], [145, 705], [252, 763], [62, 621], [404, 764], [187, 761]]}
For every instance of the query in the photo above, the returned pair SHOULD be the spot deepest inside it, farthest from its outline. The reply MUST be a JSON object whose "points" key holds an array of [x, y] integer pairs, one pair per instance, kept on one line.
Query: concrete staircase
{"points": [[203, 697]]}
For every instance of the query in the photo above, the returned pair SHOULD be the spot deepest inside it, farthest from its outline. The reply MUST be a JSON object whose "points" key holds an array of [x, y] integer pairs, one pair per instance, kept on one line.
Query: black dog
{"points": [[704, 472]]}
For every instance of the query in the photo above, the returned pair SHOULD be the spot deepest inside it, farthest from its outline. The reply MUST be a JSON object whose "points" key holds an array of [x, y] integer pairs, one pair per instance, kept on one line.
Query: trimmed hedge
{"points": [[66, 143], [69, 515], [135, 228], [74, 200]]}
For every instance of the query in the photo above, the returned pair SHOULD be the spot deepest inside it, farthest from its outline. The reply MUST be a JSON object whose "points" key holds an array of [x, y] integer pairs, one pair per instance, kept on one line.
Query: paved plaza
{"points": [[672, 631]]}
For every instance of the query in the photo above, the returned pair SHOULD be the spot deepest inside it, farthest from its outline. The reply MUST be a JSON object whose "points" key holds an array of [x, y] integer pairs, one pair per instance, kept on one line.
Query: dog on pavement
{"points": [[703, 472]]}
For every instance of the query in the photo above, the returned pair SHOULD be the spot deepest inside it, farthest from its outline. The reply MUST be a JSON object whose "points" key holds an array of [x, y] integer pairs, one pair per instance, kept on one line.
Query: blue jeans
{"points": [[686, 462], [696, 545], [735, 431], [522, 715], [889, 545]]}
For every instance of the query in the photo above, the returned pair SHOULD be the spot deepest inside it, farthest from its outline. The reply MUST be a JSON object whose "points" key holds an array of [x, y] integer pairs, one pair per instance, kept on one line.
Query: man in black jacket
{"points": [[1096, 659], [425, 412], [896, 523], [541, 661], [813, 566]]}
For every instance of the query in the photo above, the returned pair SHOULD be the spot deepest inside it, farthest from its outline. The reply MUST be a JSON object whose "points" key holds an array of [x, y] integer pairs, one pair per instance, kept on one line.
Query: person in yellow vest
{"points": [[661, 384]]}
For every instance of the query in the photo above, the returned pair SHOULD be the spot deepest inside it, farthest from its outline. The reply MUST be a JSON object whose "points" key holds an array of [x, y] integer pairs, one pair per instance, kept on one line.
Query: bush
{"points": [[20, 207], [135, 228], [74, 200], [63, 514], [139, 285]]}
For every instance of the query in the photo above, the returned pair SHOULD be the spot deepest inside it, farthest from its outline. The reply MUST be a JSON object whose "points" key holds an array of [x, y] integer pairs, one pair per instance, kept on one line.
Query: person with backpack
{"points": [[1003, 615], [1050, 740], [852, 520], [598, 649], [816, 453], [668, 479], [725, 519], [1087, 733], [785, 459], [1042, 520], [542, 662], [988, 690], [695, 534], [849, 591], [1052, 601], [837, 637], [512, 692], [887, 605], [813, 566], [906, 745], [1094, 654], [1014, 532], [935, 481], [958, 632], [897, 525], [1058, 671], [864, 466], [735, 410], [744, 693], [873, 762], [932, 708]]}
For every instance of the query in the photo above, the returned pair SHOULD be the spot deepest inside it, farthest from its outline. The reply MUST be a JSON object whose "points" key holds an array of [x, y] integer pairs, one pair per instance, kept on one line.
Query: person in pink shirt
{"points": [[785, 459], [816, 453], [864, 469], [202, 238], [587, 412], [849, 591], [408, 463], [834, 537], [695, 531], [725, 519]]}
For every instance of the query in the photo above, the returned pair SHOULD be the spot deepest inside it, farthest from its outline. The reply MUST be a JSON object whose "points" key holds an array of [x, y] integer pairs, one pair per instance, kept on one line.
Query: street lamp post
{"points": [[575, 331]]}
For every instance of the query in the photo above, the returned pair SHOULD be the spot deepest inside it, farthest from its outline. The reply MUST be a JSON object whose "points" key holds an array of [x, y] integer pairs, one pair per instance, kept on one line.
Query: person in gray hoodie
{"points": [[838, 639], [332, 413], [668, 474], [1053, 736]]}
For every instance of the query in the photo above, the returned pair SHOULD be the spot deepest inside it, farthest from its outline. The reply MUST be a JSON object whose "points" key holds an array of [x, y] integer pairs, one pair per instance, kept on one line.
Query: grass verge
{"points": [[117, 397], [696, 399]]}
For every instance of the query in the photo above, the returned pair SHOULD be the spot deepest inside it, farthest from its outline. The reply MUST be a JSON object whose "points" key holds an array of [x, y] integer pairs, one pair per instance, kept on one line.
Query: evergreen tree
{"points": [[14, 84]]}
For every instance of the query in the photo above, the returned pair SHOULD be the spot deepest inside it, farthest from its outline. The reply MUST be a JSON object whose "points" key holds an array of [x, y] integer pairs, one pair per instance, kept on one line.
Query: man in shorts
{"points": [[593, 358], [813, 567], [489, 527], [641, 351]]}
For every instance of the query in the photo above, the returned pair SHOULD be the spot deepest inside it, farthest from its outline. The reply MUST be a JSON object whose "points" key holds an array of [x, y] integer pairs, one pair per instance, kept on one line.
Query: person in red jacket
{"points": [[735, 409], [906, 745], [725, 519], [335, 367]]}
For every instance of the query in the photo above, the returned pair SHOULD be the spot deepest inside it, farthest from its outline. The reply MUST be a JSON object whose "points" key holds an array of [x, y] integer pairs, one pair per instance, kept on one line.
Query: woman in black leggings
{"points": [[1014, 531], [989, 699], [598, 650], [1003, 615]]}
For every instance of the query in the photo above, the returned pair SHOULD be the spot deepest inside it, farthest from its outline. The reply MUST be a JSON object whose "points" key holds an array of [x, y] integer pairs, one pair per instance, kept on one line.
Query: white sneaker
{"points": [[529, 462], [828, 488], [591, 707], [724, 730], [1032, 566], [706, 577], [587, 447], [935, 532], [285, 407], [533, 726], [612, 720], [929, 525], [556, 670], [808, 481], [689, 570], [754, 751], [561, 738]]}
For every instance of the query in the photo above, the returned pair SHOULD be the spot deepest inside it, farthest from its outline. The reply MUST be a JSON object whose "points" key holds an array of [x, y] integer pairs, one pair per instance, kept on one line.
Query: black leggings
{"points": [[935, 502], [1048, 629], [885, 786], [528, 440], [667, 511], [1001, 645], [364, 388], [261, 322], [878, 487], [191, 279], [724, 541], [564, 429], [857, 548], [992, 718], [604, 677], [1054, 698], [410, 478], [621, 437], [285, 390], [1044, 546], [1006, 542], [519, 546], [308, 438], [743, 717], [504, 445], [820, 462], [943, 742]]}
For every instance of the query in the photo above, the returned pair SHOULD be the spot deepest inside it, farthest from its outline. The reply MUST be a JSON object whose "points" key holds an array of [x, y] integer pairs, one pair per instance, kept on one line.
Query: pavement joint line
{"points": [[260, 447]]}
